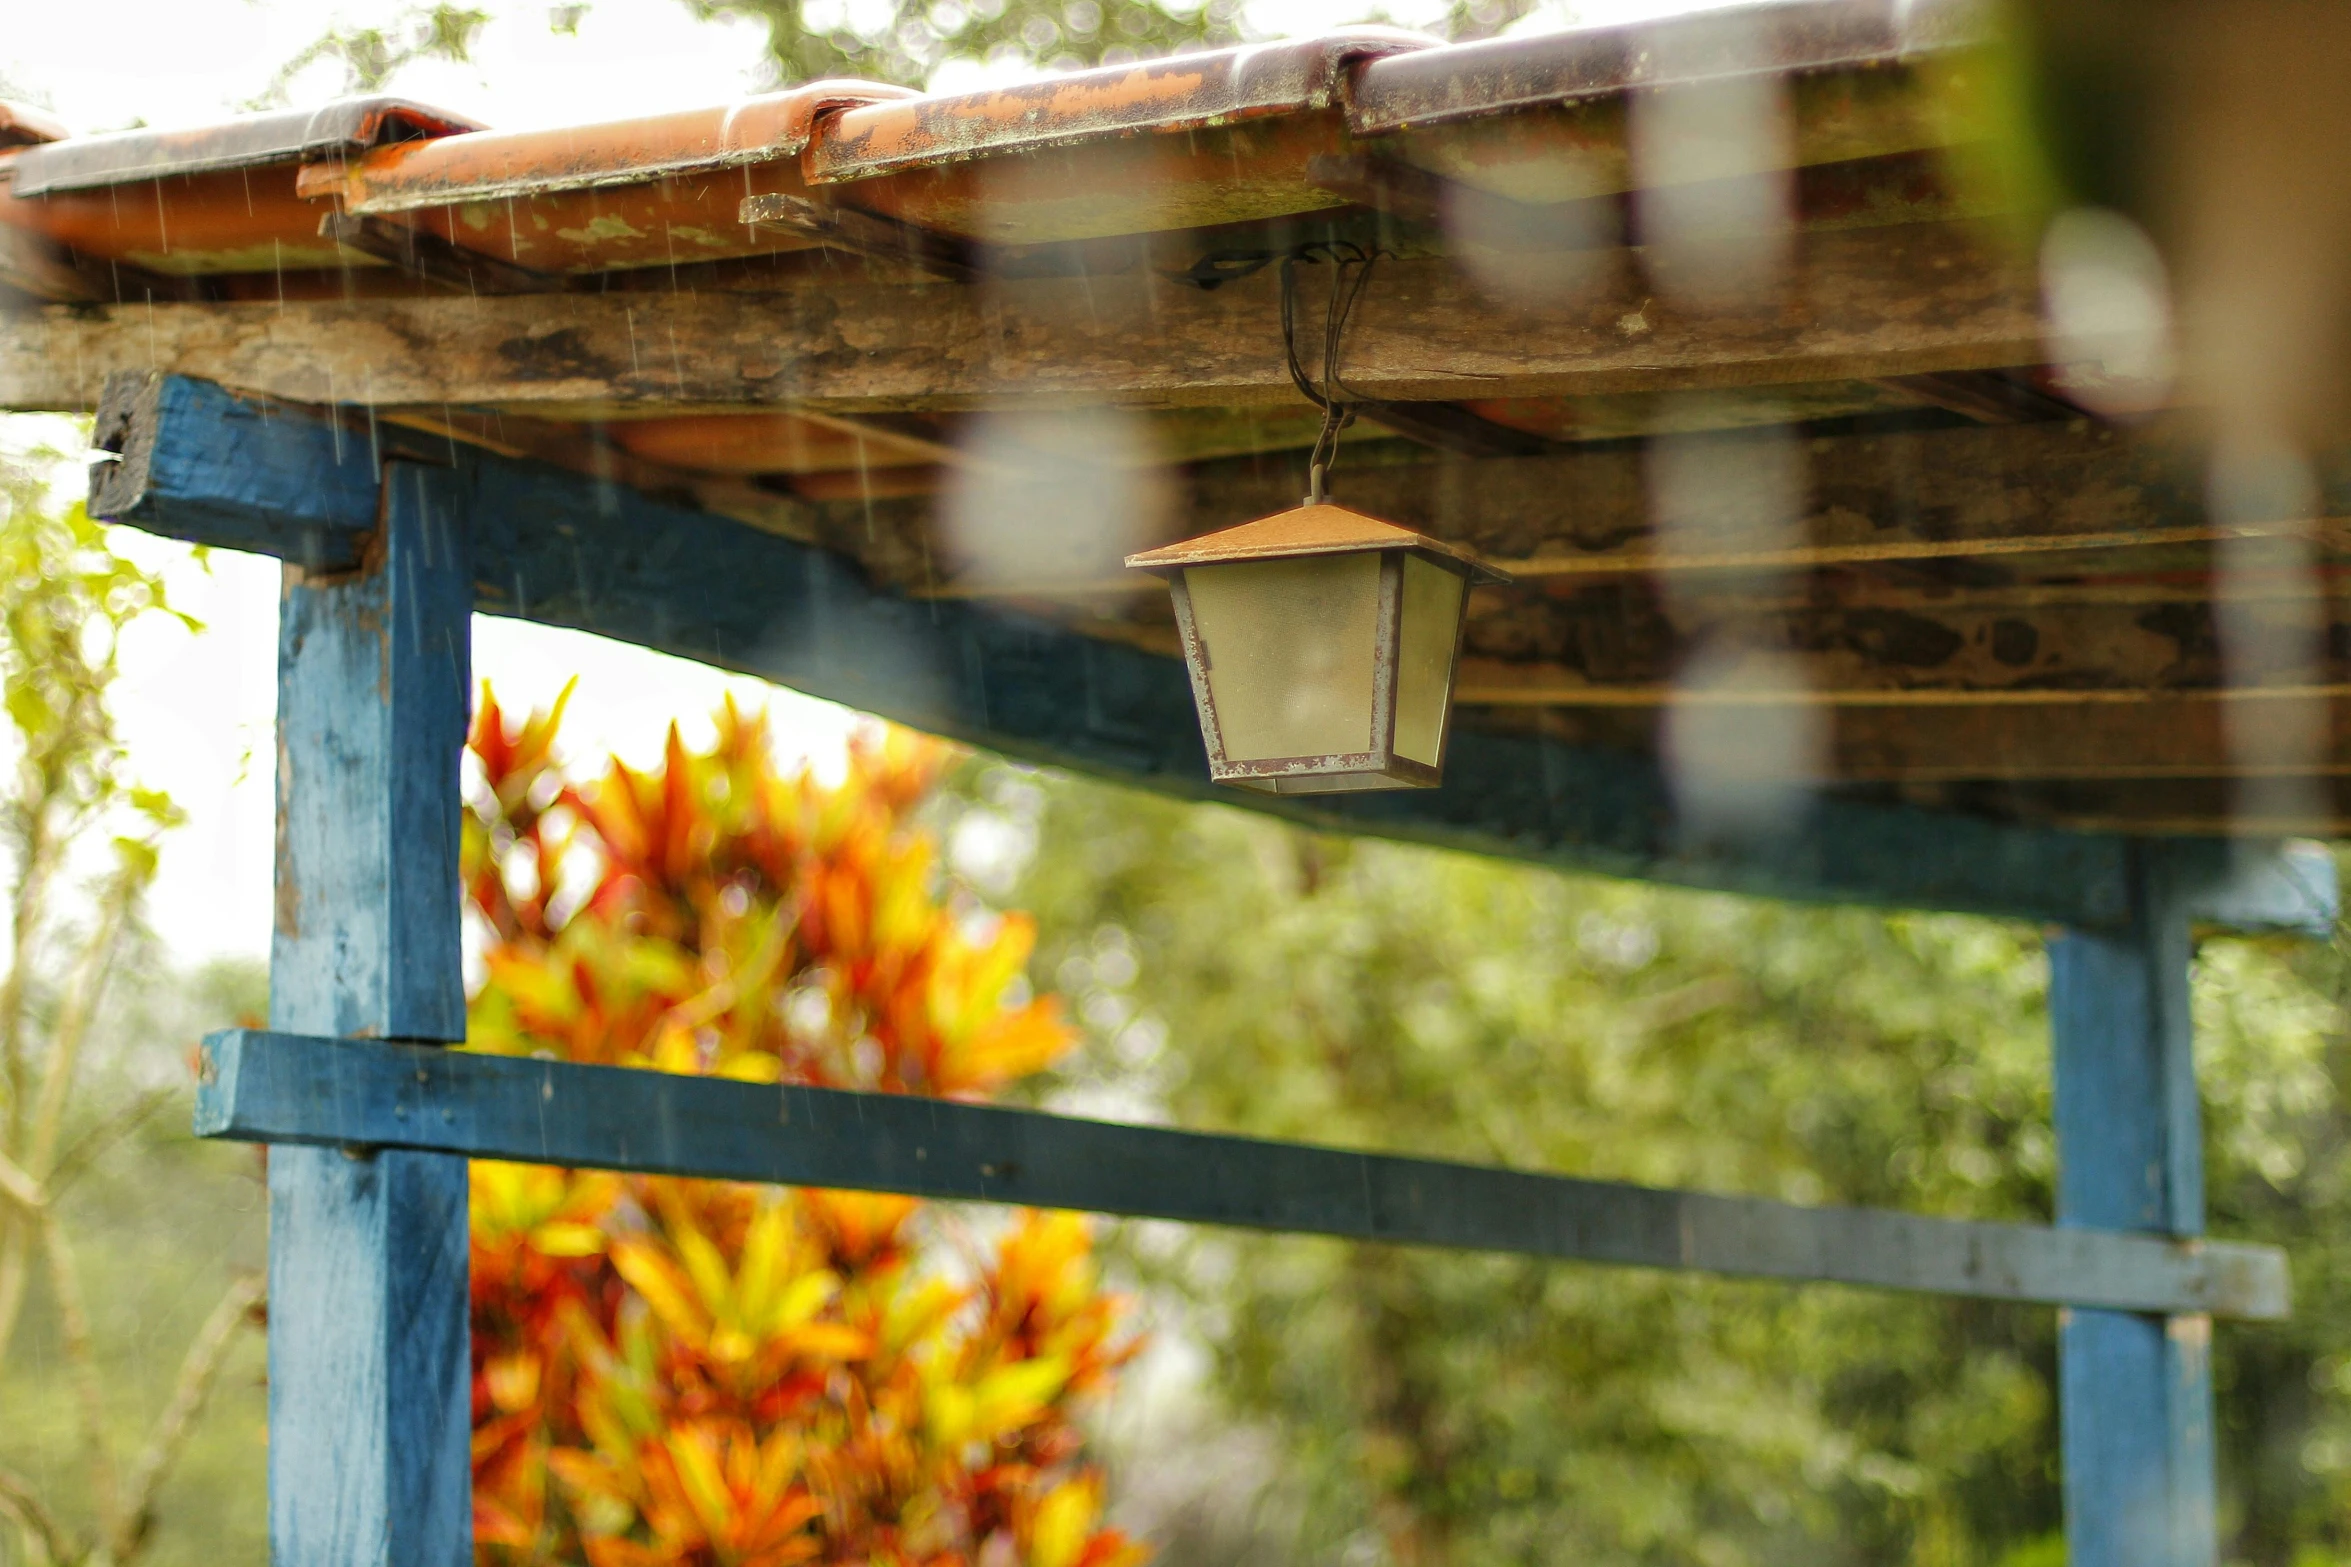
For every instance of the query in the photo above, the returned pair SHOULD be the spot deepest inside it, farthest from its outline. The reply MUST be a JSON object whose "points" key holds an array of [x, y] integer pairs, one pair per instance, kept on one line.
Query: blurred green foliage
{"points": [[906, 41], [159, 1224], [900, 41], [912, 38], [1434, 1408], [371, 54], [115, 1327]]}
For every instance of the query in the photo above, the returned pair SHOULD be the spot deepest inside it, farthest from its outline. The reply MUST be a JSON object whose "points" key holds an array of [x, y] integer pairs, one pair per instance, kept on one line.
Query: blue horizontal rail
{"points": [[284, 1088]]}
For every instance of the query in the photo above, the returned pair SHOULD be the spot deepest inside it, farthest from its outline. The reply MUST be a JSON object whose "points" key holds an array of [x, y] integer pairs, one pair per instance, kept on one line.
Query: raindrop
{"points": [[1743, 743], [2108, 301], [1711, 161], [1053, 498]]}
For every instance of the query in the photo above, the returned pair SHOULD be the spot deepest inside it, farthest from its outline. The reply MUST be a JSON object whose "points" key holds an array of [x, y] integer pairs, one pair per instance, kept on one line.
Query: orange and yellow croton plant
{"points": [[673, 1373]]}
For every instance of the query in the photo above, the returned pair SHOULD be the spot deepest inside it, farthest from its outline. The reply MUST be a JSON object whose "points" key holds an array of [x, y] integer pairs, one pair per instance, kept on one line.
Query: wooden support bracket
{"points": [[423, 254], [868, 234]]}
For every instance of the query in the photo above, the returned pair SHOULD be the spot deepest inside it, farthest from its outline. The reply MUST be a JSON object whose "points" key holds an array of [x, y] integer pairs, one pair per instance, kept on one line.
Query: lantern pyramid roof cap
{"points": [[1314, 529]]}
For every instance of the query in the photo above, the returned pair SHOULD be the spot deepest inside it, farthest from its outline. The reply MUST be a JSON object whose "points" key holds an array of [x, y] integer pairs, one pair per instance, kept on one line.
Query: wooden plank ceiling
{"points": [[1773, 448]]}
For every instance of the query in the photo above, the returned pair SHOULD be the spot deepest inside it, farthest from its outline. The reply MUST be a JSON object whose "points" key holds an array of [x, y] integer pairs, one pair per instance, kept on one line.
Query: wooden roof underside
{"points": [[1974, 593]]}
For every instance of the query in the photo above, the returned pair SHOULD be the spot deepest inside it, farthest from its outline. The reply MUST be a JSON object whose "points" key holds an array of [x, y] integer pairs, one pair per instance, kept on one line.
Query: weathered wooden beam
{"points": [[349, 1093], [1860, 303], [842, 227], [586, 450], [369, 1376], [1986, 396], [1624, 646], [1973, 592], [2157, 807], [424, 255], [36, 270], [2184, 735], [1871, 688], [2004, 496], [1849, 499], [1901, 187], [554, 547], [41, 269]]}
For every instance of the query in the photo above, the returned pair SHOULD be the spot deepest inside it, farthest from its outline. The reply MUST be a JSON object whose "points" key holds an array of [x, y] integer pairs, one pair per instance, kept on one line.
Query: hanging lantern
{"points": [[1322, 645]]}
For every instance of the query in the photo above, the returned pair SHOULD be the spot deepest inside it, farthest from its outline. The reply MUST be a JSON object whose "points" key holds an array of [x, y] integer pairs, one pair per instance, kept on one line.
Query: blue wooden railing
{"points": [[392, 542]]}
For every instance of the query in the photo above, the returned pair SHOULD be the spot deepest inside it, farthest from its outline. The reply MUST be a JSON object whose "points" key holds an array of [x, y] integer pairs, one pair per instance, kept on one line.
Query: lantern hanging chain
{"points": [[1353, 265]]}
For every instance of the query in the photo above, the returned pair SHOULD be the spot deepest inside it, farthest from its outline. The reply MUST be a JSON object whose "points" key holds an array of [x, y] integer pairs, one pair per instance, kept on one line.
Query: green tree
{"points": [[918, 36], [2275, 1060], [905, 42], [914, 38], [371, 55], [82, 839], [1239, 974]]}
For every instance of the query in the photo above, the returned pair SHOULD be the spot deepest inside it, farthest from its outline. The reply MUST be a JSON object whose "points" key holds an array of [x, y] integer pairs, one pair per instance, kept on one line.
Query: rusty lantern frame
{"points": [[1322, 529]]}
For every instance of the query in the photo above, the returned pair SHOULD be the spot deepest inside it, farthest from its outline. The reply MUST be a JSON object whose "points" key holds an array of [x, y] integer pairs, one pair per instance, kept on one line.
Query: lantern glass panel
{"points": [[1290, 647], [1430, 632]]}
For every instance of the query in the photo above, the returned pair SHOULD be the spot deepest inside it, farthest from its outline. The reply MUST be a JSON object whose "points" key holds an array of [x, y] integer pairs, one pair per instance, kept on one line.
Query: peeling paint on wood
{"points": [[2134, 1390], [248, 484], [368, 1342]]}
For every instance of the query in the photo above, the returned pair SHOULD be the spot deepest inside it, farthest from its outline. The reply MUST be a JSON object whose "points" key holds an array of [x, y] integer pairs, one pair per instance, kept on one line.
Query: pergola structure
{"points": [[866, 393]]}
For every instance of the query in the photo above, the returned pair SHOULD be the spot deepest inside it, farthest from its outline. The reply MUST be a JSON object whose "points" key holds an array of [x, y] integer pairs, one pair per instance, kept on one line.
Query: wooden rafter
{"points": [[2010, 497], [1620, 655], [2289, 733]]}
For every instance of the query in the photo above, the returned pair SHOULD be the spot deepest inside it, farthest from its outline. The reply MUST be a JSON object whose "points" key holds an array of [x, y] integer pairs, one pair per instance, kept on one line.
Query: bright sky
{"points": [[197, 710], [188, 61]]}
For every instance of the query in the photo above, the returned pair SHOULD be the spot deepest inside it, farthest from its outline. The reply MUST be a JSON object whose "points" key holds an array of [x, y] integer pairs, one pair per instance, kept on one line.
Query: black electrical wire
{"points": [[1353, 264]]}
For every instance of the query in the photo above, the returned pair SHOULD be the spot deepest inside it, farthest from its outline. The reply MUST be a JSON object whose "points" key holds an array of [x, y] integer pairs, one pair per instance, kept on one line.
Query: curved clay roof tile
{"points": [[1177, 93], [1536, 70]]}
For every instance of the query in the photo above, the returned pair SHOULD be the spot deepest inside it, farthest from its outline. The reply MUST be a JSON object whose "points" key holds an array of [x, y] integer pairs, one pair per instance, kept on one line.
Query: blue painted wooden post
{"points": [[2135, 1392], [368, 1353]]}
